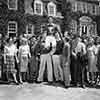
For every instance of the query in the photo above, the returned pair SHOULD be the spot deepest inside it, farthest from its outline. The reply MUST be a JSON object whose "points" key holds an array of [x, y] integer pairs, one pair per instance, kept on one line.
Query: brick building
{"points": [[12, 21], [37, 12], [27, 16], [85, 16]]}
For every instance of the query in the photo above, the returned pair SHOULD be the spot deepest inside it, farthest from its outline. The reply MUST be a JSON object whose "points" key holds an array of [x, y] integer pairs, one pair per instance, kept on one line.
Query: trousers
{"points": [[58, 72], [45, 59]]}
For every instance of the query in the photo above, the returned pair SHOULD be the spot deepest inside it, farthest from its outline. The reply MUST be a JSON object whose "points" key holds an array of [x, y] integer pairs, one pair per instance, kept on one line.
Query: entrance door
{"points": [[84, 29], [86, 26]]}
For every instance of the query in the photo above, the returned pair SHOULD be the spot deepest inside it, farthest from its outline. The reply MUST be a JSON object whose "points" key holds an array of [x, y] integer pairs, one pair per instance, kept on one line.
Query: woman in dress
{"points": [[98, 60], [10, 55], [24, 55], [1, 56], [92, 60]]}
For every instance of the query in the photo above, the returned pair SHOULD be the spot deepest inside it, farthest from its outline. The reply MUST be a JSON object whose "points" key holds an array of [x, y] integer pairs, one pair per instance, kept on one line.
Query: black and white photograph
{"points": [[49, 49]]}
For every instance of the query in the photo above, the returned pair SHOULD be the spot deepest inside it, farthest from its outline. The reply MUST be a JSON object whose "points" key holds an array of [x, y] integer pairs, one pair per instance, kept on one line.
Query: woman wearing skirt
{"points": [[24, 55], [92, 61], [10, 55]]}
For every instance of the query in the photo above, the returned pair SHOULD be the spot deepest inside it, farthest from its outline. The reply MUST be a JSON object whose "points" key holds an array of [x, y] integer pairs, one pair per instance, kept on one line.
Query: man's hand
{"points": [[52, 51]]}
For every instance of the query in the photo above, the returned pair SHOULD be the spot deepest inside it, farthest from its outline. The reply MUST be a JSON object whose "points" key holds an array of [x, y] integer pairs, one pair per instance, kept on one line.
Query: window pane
{"points": [[93, 9], [51, 9], [38, 8], [12, 4], [84, 8], [30, 29], [74, 5], [79, 6], [12, 27]]}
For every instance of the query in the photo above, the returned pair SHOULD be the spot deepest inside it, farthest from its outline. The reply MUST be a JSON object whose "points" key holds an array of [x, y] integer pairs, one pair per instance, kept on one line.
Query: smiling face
{"points": [[50, 20]]}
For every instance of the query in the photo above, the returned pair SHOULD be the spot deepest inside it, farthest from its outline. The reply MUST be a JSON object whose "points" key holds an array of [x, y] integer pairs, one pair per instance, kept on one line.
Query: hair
{"points": [[50, 17]]}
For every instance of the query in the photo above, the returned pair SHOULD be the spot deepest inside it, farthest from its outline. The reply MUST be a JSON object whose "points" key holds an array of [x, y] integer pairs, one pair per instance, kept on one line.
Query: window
{"points": [[30, 29], [84, 8], [93, 9], [12, 4], [12, 28], [38, 7], [51, 9], [84, 30], [98, 10], [89, 8], [43, 27], [99, 4], [79, 6], [73, 26], [74, 6]]}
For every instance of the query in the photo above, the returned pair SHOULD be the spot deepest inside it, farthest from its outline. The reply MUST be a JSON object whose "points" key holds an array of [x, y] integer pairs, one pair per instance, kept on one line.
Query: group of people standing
{"points": [[69, 59]]}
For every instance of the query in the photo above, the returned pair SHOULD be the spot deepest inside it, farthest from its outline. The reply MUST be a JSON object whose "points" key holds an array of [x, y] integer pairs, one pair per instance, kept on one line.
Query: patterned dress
{"points": [[10, 52]]}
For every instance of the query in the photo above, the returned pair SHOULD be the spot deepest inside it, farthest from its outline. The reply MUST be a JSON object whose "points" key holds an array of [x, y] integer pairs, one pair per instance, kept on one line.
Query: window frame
{"points": [[84, 7], [54, 6], [38, 2], [74, 6], [32, 29], [16, 26], [16, 3], [98, 10], [95, 10], [79, 6]]}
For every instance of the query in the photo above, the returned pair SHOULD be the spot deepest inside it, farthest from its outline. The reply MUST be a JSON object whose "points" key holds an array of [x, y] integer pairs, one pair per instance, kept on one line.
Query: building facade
{"points": [[37, 12], [27, 16], [85, 17], [30, 16], [12, 21]]}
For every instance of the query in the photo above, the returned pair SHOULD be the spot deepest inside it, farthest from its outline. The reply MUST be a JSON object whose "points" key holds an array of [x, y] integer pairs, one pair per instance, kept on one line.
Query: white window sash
{"points": [[16, 6], [98, 10], [89, 8], [32, 30], [40, 3], [75, 6], [79, 6], [16, 27], [48, 7], [94, 13], [86, 7]]}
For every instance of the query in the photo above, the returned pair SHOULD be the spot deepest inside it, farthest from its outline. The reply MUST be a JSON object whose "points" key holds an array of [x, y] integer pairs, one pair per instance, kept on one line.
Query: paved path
{"points": [[45, 92]]}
